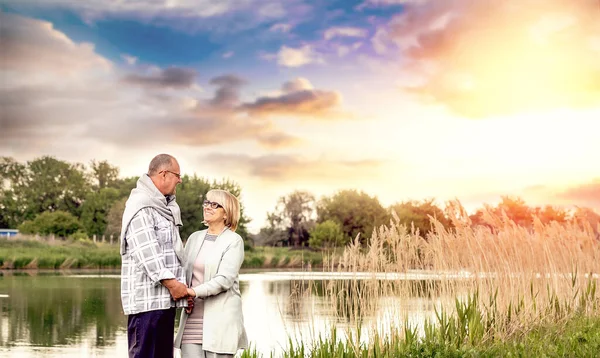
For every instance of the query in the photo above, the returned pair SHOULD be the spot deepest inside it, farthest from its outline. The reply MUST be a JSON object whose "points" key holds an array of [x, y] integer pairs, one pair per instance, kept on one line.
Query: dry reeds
{"points": [[486, 282]]}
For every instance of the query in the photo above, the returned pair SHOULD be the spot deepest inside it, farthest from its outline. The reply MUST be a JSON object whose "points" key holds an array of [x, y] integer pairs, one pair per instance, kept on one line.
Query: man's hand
{"points": [[177, 289]]}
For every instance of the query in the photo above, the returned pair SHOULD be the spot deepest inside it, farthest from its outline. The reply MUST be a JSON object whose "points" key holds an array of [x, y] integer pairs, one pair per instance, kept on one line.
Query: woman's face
{"points": [[213, 212]]}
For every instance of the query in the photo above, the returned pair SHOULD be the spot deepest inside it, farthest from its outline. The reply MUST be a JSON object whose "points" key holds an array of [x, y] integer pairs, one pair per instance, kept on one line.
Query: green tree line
{"points": [[299, 219], [49, 196]]}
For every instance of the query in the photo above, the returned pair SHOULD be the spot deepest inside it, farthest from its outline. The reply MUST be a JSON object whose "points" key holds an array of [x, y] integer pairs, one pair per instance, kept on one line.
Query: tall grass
{"points": [[502, 282]]}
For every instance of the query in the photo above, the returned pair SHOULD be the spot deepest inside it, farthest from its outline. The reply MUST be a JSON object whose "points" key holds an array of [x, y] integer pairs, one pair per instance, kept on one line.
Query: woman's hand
{"points": [[191, 294], [190, 305]]}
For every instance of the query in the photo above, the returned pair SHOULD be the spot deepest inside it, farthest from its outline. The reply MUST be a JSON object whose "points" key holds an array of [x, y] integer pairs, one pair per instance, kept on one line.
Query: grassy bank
{"points": [[32, 254], [59, 254], [577, 337]]}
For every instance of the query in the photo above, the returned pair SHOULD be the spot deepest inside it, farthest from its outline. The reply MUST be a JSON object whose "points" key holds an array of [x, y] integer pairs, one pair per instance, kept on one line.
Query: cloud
{"points": [[130, 60], [343, 50], [296, 57], [296, 169], [583, 195], [298, 98], [297, 84], [55, 90], [42, 72], [384, 3], [380, 41], [280, 27], [344, 32], [190, 15], [228, 91], [494, 58], [25, 42], [228, 54], [171, 77], [278, 140]]}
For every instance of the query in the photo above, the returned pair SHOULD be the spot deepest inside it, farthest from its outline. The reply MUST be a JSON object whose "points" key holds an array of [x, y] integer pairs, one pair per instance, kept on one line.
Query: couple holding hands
{"points": [[159, 274]]}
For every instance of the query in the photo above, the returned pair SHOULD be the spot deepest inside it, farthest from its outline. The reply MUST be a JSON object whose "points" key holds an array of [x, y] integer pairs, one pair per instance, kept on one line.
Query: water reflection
{"points": [[79, 314]]}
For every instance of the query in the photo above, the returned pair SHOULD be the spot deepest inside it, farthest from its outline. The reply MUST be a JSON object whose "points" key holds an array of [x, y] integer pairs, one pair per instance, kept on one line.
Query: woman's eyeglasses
{"points": [[211, 204]]}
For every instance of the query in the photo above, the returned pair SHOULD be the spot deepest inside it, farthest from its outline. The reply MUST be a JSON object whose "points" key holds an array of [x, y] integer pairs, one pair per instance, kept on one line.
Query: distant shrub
{"points": [[327, 234], [80, 236], [254, 261], [21, 262], [59, 223]]}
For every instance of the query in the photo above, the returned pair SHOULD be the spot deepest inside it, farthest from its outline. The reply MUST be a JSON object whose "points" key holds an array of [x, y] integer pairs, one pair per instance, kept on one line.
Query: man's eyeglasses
{"points": [[211, 204], [176, 174]]}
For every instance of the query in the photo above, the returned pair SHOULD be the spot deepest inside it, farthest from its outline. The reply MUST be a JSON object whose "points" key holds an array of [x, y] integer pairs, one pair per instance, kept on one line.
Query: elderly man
{"points": [[152, 276]]}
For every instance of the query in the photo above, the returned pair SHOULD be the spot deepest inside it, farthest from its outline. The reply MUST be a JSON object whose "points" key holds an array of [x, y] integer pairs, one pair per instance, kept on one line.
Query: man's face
{"points": [[170, 178]]}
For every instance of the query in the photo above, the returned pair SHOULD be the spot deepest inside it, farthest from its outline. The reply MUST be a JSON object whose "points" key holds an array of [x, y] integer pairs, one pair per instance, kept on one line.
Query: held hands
{"points": [[177, 289], [191, 292], [180, 290], [190, 301]]}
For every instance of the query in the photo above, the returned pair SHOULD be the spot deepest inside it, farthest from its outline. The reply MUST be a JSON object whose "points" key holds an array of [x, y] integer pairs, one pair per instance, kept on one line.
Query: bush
{"points": [[327, 234], [79, 236], [59, 223], [254, 262]]}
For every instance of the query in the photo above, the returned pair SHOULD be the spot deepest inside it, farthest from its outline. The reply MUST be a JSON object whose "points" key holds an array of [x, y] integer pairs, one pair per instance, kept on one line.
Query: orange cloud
{"points": [[277, 140], [584, 195], [295, 168], [482, 58], [298, 98]]}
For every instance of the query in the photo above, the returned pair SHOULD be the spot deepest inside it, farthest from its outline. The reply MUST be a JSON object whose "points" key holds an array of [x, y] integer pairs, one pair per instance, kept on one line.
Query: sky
{"points": [[402, 99]]}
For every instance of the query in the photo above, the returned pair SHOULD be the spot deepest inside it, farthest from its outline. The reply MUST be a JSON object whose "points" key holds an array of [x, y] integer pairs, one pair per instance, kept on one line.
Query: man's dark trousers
{"points": [[150, 334]]}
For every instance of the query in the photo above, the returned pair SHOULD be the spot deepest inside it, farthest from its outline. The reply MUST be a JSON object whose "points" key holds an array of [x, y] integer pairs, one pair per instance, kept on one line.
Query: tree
{"points": [[190, 194], [549, 214], [59, 223], [235, 189], [326, 235], [125, 185], [115, 217], [295, 215], [516, 210], [13, 180], [418, 213], [104, 174], [356, 212], [272, 234], [95, 209], [43, 184]]}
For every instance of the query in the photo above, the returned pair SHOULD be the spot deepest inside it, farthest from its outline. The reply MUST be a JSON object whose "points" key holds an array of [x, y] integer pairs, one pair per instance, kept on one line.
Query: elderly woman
{"points": [[215, 326]]}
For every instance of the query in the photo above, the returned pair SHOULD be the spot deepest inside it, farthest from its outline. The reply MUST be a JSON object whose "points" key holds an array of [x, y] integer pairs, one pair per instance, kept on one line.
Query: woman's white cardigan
{"points": [[223, 329]]}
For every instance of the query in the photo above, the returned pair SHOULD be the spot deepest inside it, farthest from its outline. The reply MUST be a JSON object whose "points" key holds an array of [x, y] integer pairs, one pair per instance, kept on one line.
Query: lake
{"points": [[79, 314]]}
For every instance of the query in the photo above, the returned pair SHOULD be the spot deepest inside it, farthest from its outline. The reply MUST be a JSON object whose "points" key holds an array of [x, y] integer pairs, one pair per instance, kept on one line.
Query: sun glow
{"points": [[506, 59]]}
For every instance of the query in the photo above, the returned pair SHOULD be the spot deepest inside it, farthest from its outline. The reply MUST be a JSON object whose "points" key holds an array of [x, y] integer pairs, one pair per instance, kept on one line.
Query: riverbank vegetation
{"points": [[31, 253], [498, 290], [58, 254]]}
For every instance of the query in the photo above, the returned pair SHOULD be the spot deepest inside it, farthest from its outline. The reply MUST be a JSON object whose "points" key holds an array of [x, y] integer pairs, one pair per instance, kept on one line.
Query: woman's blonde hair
{"points": [[230, 204]]}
